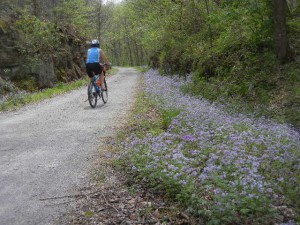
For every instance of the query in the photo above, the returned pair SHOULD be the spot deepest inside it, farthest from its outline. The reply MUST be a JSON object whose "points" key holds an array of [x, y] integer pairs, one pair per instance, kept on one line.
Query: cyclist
{"points": [[94, 56]]}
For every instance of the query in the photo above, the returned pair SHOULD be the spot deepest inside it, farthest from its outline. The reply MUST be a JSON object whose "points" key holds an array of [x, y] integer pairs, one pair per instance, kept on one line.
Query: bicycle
{"points": [[95, 91]]}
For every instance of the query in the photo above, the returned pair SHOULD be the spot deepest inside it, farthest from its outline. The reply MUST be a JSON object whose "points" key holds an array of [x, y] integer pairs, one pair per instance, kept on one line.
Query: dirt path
{"points": [[46, 149]]}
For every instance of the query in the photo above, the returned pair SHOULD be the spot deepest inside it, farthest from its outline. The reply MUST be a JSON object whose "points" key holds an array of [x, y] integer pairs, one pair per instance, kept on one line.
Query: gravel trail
{"points": [[47, 149]]}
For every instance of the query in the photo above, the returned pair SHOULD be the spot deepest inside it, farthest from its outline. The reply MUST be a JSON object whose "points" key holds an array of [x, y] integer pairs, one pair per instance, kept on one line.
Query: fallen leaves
{"points": [[116, 201]]}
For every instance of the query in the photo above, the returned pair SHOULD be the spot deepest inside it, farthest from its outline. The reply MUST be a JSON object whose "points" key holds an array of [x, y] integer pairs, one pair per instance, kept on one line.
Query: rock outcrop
{"points": [[66, 64]]}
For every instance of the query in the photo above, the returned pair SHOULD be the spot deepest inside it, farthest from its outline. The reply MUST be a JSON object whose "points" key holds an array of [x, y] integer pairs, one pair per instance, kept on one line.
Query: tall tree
{"points": [[281, 37], [99, 20], [75, 13]]}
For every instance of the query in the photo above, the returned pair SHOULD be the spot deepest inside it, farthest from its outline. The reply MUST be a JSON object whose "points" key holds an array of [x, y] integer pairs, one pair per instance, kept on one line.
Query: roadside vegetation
{"points": [[216, 131], [244, 53], [18, 97], [223, 167], [233, 48]]}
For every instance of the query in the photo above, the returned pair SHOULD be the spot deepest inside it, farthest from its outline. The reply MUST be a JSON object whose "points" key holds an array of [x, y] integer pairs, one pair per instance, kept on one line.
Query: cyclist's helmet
{"points": [[95, 43]]}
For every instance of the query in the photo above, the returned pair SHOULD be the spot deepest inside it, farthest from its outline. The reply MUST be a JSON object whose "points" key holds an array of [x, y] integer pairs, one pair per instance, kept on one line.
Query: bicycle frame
{"points": [[95, 79], [98, 91], [97, 76]]}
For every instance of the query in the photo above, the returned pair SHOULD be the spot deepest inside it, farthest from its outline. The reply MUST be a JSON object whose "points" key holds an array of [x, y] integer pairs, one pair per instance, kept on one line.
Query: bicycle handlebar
{"points": [[105, 64]]}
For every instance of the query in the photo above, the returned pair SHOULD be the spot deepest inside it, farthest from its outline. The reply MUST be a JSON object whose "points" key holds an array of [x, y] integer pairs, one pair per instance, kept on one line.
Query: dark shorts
{"points": [[93, 67]]}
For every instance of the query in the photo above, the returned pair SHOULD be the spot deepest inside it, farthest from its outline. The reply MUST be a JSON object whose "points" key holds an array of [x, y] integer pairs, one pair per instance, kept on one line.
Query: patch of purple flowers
{"points": [[189, 137], [219, 152]]}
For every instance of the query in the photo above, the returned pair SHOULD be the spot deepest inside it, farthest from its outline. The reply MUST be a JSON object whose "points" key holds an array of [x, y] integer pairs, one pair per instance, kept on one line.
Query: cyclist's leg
{"points": [[102, 80], [102, 77], [92, 76]]}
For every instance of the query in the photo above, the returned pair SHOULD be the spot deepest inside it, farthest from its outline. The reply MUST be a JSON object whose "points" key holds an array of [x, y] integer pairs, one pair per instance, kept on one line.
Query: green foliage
{"points": [[89, 214], [74, 13], [3, 26], [6, 87], [167, 117], [16, 100], [145, 117], [28, 84], [142, 69], [121, 40], [201, 199], [39, 36], [228, 44]]}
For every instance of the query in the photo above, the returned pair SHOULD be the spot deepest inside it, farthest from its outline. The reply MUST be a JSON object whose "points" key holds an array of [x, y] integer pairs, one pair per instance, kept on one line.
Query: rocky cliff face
{"points": [[69, 64], [8, 37], [65, 64]]}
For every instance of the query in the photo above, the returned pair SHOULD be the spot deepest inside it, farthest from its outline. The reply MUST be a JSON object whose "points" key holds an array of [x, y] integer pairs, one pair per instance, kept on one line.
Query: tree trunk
{"points": [[281, 38], [209, 26], [99, 22]]}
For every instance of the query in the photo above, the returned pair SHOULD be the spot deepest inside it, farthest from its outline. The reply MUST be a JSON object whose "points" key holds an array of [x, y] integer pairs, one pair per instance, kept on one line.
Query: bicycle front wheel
{"points": [[104, 93], [92, 94]]}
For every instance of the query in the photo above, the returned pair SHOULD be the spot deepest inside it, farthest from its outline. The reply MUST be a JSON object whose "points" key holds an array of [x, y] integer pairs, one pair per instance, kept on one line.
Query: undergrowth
{"points": [[16, 95], [17, 99], [223, 168], [255, 87]]}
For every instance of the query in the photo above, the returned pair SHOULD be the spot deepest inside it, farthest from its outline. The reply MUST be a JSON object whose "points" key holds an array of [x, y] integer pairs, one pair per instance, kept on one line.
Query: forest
{"points": [[245, 53], [204, 59]]}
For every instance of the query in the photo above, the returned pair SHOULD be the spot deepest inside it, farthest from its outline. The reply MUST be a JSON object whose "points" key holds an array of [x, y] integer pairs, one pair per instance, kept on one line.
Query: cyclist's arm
{"points": [[103, 56]]}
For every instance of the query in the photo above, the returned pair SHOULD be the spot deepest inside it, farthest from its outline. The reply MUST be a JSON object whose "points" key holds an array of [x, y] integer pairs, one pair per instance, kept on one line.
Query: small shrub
{"points": [[6, 87], [30, 84]]}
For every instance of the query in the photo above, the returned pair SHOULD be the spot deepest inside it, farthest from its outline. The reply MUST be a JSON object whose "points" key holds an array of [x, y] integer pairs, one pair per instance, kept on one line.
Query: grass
{"points": [[112, 71], [18, 100], [224, 169], [145, 118], [260, 87], [142, 69], [89, 214]]}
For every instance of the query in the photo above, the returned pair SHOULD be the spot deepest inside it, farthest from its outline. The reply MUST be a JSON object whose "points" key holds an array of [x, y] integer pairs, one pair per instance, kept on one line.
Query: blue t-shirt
{"points": [[93, 55]]}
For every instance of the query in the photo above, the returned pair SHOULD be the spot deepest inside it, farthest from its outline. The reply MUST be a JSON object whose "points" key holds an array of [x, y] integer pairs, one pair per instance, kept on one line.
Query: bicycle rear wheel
{"points": [[104, 93], [92, 94]]}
